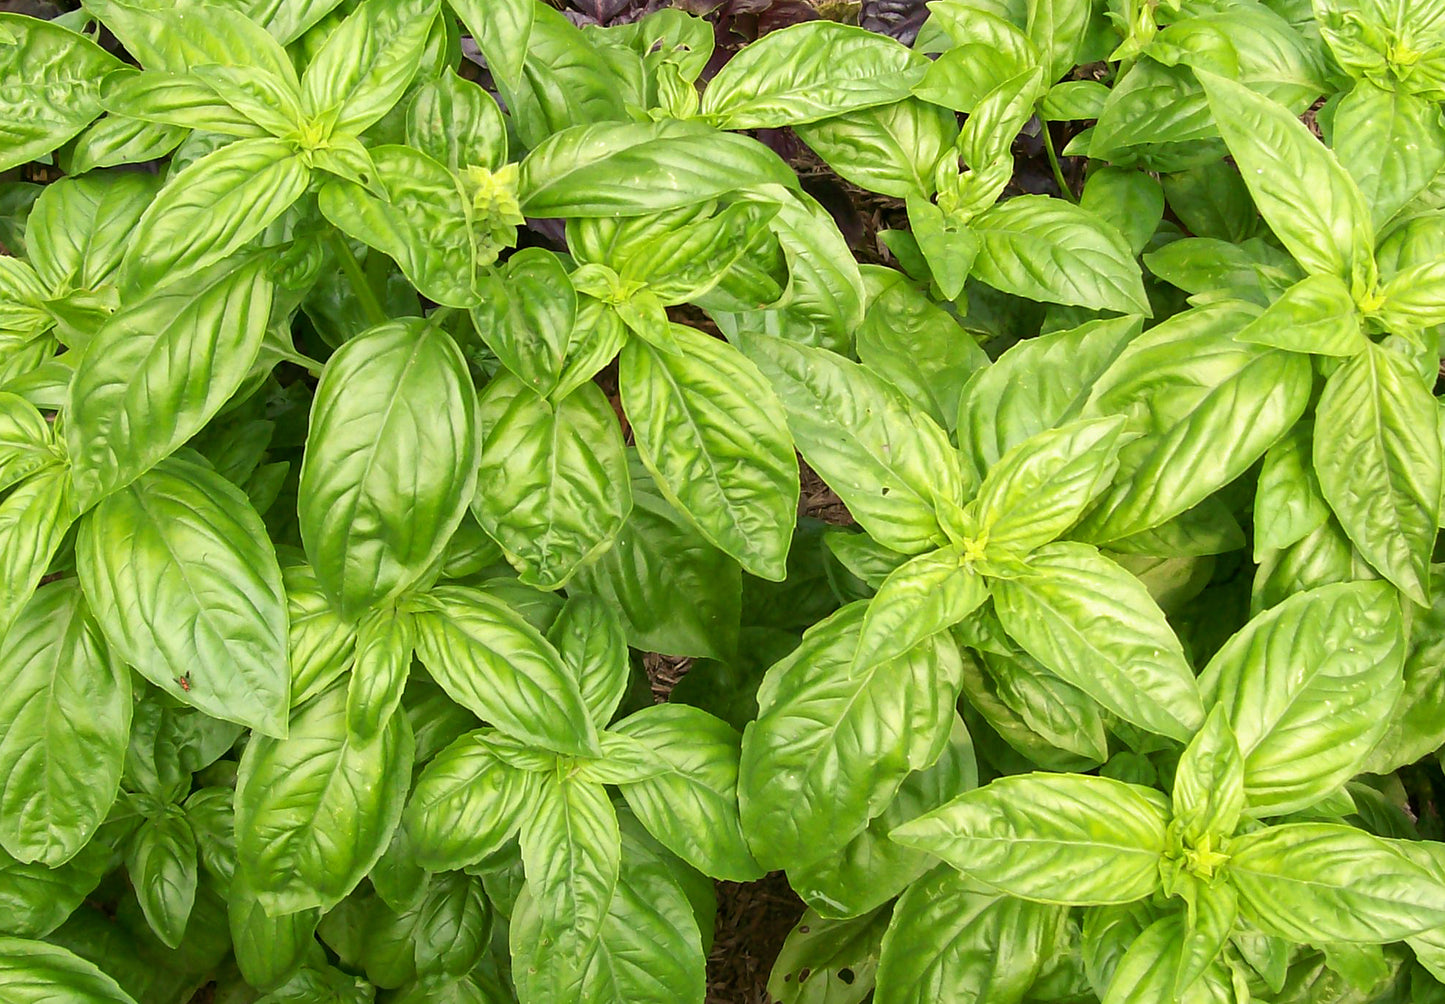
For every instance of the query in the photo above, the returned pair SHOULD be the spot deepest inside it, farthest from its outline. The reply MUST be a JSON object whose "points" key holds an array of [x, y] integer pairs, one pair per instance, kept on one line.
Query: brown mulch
{"points": [[753, 919], [819, 501]]}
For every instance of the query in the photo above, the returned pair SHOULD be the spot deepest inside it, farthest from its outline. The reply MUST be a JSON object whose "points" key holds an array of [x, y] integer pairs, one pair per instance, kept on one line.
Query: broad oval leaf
{"points": [[1071, 839], [65, 708], [923, 596], [161, 864], [315, 811], [33, 972], [1308, 686], [713, 434], [390, 464], [183, 580]]}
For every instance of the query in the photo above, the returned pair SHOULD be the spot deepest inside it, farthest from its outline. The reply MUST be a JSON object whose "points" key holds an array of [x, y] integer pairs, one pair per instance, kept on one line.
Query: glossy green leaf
{"points": [[833, 742], [589, 636], [315, 811], [891, 149], [692, 806], [1130, 200], [1415, 723], [1412, 298], [457, 123], [36, 899], [366, 64], [85, 257], [1377, 455], [1288, 503], [552, 488], [467, 804], [32, 972], [65, 710], [1316, 314], [157, 372], [1095, 626], [525, 688], [52, 80], [1052, 838], [1391, 142], [25, 440], [442, 936], [1209, 785], [185, 585], [391, 455], [269, 949], [1307, 687], [922, 597], [384, 643], [161, 863], [714, 435], [501, 29]]}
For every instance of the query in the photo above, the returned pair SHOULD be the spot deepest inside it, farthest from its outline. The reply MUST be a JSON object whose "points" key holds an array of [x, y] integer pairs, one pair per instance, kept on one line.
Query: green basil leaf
{"points": [[1058, 28], [185, 585], [1288, 503], [501, 29], [177, 37], [585, 171], [1412, 298], [161, 863], [1051, 723], [36, 899], [828, 959], [384, 643], [822, 719], [34, 518], [1316, 314], [692, 806], [591, 640], [886, 460], [552, 488], [32, 972], [366, 64], [891, 149], [467, 804], [1209, 785], [952, 939], [1130, 200], [131, 405], [1096, 627], [383, 488], [315, 811], [457, 124], [1307, 687], [713, 434], [526, 691], [1315, 882], [1040, 488], [676, 593], [1377, 455], [1051, 838], [178, 99], [1209, 407], [1072, 100], [1392, 143], [424, 224], [1311, 204], [443, 936], [808, 72], [65, 710], [212, 208], [571, 851], [1052, 250], [319, 641], [825, 296], [51, 77], [86, 257], [269, 949], [25, 440], [1415, 724], [923, 596]]}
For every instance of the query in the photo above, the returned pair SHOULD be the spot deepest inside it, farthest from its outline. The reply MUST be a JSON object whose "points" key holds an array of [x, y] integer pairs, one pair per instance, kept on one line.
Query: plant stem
{"points": [[365, 294], [1064, 188]]}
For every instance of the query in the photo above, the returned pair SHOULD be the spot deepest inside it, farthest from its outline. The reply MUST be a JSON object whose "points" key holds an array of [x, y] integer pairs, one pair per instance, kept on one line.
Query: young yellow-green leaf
{"points": [[926, 595], [212, 208], [552, 488], [1320, 882], [523, 687], [588, 170], [1412, 297], [161, 865], [528, 314], [158, 371], [951, 938], [1051, 250], [886, 460], [713, 433], [1095, 626], [1316, 314], [1070, 839], [184, 582], [384, 644], [1308, 687], [34, 518], [315, 811], [51, 79], [1314, 207], [467, 804], [1392, 142], [25, 440], [832, 743], [33, 972], [692, 807], [366, 64], [808, 72], [1377, 454], [390, 464], [1209, 784], [65, 710], [424, 224]]}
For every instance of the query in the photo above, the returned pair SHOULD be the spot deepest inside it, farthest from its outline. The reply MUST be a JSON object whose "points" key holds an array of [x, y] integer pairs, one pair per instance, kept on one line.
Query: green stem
{"points": [[438, 316], [305, 362], [1064, 188], [359, 285]]}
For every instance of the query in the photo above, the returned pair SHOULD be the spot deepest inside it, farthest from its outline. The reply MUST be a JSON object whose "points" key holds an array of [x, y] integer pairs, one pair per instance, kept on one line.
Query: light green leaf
{"points": [[1052, 838], [926, 595], [390, 464], [590, 638], [366, 64], [1391, 142], [1209, 784], [184, 582], [891, 149], [501, 29], [713, 434], [32, 972], [161, 864], [25, 440], [315, 811], [527, 315], [1316, 314], [457, 123], [384, 642], [827, 961], [34, 519]]}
